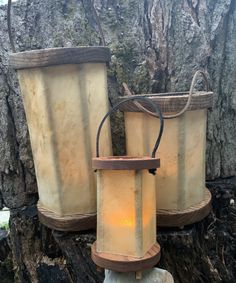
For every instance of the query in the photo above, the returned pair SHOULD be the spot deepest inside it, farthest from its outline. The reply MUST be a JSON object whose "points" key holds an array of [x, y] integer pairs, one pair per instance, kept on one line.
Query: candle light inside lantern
{"points": [[126, 209], [126, 221]]}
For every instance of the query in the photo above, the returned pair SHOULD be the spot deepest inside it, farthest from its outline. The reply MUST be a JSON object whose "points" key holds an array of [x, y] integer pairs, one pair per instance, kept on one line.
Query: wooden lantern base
{"points": [[76, 222], [126, 263], [180, 218]]}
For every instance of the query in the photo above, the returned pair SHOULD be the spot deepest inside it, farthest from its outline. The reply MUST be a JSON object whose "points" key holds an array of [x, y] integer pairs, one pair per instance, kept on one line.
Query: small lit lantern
{"points": [[181, 194], [126, 208], [65, 95]]}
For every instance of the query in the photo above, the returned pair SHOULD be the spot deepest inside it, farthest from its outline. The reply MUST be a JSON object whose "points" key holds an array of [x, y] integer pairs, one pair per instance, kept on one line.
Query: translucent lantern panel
{"points": [[64, 105], [180, 180], [126, 212]]}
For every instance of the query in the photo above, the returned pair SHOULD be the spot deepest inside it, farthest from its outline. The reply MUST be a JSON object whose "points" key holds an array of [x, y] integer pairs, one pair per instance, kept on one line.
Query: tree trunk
{"points": [[157, 45]]}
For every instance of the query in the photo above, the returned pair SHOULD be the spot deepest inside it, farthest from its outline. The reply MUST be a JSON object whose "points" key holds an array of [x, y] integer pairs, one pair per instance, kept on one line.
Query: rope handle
{"points": [[158, 114], [184, 109]]}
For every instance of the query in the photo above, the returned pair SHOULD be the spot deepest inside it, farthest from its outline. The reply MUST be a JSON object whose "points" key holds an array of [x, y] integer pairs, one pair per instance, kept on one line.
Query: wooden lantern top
{"points": [[172, 101], [59, 56], [125, 163]]}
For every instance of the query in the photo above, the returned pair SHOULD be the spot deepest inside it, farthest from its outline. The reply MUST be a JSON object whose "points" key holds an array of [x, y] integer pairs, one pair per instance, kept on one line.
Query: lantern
{"points": [[181, 194], [126, 208], [65, 94]]}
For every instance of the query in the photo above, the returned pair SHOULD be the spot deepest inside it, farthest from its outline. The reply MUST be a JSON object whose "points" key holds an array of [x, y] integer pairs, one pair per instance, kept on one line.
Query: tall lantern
{"points": [[126, 208], [65, 95], [181, 194]]}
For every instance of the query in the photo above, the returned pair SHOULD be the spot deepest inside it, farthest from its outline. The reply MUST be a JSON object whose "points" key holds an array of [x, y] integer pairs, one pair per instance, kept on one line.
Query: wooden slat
{"points": [[59, 56]]}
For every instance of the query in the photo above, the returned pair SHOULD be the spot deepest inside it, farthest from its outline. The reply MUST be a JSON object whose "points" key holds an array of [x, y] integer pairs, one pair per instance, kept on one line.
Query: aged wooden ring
{"points": [[59, 56], [180, 218], [76, 222], [126, 263], [172, 101], [125, 163]]}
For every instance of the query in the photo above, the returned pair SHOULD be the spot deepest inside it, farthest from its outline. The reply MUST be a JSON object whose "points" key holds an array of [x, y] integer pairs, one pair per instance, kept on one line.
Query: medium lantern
{"points": [[181, 194], [65, 95], [126, 208]]}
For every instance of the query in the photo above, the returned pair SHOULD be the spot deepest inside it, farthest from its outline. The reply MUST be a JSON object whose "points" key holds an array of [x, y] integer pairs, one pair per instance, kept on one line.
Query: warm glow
{"points": [[126, 212], [128, 220]]}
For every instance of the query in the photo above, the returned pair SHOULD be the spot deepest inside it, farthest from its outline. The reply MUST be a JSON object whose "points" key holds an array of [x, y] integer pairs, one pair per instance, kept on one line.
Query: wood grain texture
{"points": [[125, 263], [171, 101], [179, 218], [125, 163], [69, 223], [59, 56]]}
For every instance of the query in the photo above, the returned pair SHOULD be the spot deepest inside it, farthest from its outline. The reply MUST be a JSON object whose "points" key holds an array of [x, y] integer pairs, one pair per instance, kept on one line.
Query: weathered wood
{"points": [[121, 263], [6, 271], [34, 249], [76, 249], [180, 218], [203, 250], [171, 102], [59, 56]]}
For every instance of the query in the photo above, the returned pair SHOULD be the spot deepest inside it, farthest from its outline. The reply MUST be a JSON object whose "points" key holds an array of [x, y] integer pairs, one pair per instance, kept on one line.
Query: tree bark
{"points": [[157, 45]]}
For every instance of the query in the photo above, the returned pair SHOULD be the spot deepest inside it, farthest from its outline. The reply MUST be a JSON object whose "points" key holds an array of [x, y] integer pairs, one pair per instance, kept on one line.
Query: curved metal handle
{"points": [[157, 113]]}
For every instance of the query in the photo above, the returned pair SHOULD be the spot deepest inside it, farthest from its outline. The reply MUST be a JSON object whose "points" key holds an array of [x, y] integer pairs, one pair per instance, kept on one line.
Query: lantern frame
{"points": [[173, 105], [110, 260], [58, 62]]}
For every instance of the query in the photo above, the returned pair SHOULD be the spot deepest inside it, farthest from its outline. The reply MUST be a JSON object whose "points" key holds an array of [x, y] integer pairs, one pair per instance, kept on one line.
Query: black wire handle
{"points": [[148, 100]]}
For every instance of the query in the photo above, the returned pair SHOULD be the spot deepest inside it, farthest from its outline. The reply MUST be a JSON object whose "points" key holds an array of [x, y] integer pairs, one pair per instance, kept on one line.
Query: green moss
{"points": [[70, 9], [57, 40], [120, 14], [111, 20], [4, 226], [88, 35], [126, 67], [142, 81], [124, 61]]}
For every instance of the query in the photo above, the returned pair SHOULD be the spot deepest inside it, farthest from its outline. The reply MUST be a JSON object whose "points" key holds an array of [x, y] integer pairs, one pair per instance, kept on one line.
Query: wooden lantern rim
{"points": [[126, 263], [125, 163], [59, 56], [171, 101]]}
